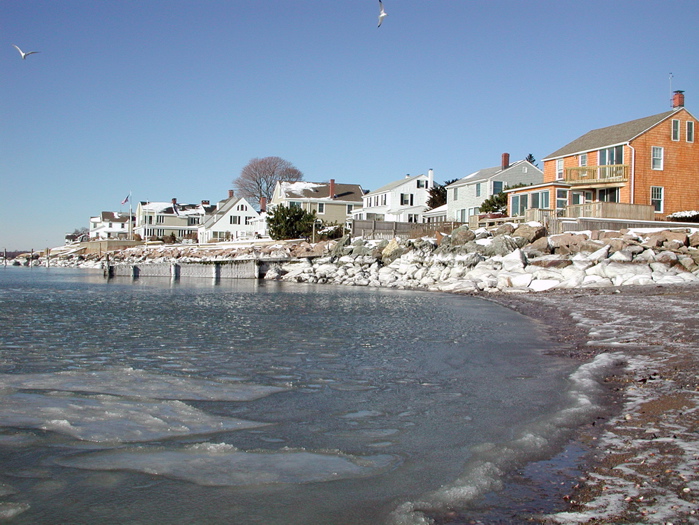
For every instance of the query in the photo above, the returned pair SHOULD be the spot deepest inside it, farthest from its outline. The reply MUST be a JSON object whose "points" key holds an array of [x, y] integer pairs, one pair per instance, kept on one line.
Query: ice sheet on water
{"points": [[224, 465], [139, 383], [105, 418]]}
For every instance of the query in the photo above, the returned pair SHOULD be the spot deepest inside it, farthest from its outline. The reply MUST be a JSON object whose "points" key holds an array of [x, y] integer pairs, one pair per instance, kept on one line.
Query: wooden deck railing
{"points": [[597, 174], [612, 210]]}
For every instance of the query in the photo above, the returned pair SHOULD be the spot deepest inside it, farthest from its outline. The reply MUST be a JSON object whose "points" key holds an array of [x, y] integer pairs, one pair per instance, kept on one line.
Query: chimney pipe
{"points": [[332, 188], [263, 204], [505, 161], [205, 203], [678, 99]]}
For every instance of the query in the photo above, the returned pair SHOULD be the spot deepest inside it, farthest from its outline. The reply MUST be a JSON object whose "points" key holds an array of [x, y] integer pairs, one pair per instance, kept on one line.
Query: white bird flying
{"points": [[24, 55], [382, 13]]}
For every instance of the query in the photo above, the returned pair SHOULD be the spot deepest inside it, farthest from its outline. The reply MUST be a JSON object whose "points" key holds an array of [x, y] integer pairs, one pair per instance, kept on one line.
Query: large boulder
{"points": [[500, 245], [392, 251], [530, 231], [461, 236], [567, 242]]}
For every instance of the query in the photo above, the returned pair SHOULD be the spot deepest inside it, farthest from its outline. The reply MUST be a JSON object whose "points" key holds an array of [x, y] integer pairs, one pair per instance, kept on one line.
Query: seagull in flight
{"points": [[24, 55], [382, 13]]}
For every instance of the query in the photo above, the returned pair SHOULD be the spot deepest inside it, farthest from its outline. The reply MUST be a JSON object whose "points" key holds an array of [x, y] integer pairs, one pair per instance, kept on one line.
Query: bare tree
{"points": [[258, 178]]}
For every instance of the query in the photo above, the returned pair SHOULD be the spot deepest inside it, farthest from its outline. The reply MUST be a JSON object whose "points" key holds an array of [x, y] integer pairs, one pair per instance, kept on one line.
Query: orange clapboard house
{"points": [[643, 169]]}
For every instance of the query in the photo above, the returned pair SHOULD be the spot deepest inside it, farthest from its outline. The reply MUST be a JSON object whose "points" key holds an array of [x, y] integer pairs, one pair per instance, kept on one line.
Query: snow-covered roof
{"points": [[321, 190]]}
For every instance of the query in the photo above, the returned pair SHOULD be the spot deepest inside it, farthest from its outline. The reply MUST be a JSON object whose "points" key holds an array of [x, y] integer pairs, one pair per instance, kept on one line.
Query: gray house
{"points": [[465, 196]]}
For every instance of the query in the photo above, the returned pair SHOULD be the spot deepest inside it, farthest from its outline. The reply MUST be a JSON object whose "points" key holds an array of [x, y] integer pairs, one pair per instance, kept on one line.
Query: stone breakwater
{"points": [[513, 258]]}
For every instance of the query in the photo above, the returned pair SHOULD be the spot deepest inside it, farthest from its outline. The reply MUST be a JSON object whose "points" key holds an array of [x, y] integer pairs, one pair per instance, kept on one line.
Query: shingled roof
{"points": [[609, 136]]}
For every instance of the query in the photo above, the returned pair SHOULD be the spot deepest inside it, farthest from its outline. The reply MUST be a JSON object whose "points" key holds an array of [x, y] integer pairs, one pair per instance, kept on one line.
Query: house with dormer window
{"points": [[465, 196], [644, 169], [233, 219], [332, 202], [404, 200]]}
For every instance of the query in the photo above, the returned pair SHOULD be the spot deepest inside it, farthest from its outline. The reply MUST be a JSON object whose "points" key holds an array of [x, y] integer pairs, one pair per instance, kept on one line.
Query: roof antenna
{"points": [[671, 99]]}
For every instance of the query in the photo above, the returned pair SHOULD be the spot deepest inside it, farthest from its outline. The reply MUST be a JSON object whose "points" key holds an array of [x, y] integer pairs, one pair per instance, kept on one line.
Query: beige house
{"points": [[332, 202], [155, 220]]}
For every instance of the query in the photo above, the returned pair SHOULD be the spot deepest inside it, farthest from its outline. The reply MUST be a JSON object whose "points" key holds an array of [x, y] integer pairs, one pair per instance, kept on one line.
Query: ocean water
{"points": [[152, 401]]}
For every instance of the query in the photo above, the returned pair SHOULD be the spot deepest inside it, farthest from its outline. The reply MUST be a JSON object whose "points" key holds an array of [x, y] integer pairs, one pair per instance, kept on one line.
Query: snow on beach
{"points": [[644, 464]]}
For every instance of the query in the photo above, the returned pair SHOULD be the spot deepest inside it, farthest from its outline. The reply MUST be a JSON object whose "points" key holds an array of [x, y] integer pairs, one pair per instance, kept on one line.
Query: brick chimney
{"points": [[231, 193], [505, 161], [263, 204], [332, 188], [205, 203], [678, 99]]}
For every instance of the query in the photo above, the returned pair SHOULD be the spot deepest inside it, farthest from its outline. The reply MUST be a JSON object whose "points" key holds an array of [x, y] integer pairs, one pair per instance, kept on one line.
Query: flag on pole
{"points": [[126, 199]]}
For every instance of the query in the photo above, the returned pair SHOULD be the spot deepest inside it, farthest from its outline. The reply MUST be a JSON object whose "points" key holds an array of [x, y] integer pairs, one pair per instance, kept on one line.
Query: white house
{"points": [[110, 225], [402, 201], [465, 196], [234, 218]]}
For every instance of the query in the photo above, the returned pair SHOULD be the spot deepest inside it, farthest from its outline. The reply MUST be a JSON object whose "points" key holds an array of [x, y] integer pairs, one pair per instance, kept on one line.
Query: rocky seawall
{"points": [[510, 259], [513, 258]]}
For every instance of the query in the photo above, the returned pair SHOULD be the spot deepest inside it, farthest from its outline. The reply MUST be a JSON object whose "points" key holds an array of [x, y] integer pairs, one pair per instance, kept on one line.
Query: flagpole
{"points": [[130, 219]]}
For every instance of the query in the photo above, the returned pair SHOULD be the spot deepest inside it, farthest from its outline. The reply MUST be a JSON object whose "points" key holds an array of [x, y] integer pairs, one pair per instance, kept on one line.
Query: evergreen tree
{"points": [[290, 222], [438, 195], [495, 204], [530, 158]]}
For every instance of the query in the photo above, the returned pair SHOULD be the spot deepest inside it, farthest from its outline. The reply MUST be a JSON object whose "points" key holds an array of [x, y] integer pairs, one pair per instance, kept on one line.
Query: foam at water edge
{"points": [[538, 440]]}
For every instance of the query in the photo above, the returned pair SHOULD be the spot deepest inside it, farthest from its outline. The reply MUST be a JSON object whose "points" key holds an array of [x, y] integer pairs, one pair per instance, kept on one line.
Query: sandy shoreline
{"points": [[643, 460]]}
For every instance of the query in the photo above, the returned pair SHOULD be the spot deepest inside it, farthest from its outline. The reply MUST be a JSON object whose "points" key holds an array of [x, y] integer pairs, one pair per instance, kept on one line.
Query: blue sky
{"points": [[173, 98]]}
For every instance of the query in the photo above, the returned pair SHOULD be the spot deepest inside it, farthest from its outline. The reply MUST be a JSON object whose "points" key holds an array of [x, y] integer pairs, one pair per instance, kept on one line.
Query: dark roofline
{"points": [[611, 135]]}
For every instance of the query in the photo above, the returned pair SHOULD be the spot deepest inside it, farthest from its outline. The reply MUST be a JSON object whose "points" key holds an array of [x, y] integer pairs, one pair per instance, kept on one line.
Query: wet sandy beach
{"points": [[641, 462]]}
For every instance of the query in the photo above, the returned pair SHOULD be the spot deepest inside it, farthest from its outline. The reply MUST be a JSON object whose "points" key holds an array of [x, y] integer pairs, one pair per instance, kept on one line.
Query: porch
{"points": [[613, 173]]}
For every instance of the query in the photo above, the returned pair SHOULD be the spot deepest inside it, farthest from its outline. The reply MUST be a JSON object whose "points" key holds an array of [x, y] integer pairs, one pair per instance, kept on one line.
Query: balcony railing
{"points": [[612, 210], [597, 174]]}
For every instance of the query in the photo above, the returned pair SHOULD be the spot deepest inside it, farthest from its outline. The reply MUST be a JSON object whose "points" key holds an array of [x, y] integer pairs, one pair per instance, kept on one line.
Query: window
{"points": [[192, 221], [462, 215], [609, 195], [675, 130], [656, 198], [690, 131], [248, 220], [561, 199], [235, 219], [412, 217], [474, 211], [321, 207], [383, 199], [582, 160], [241, 207], [657, 156], [540, 199], [350, 207], [406, 199], [559, 169], [421, 183], [611, 156], [456, 193], [478, 189], [160, 219], [497, 186], [294, 204], [519, 204]]}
